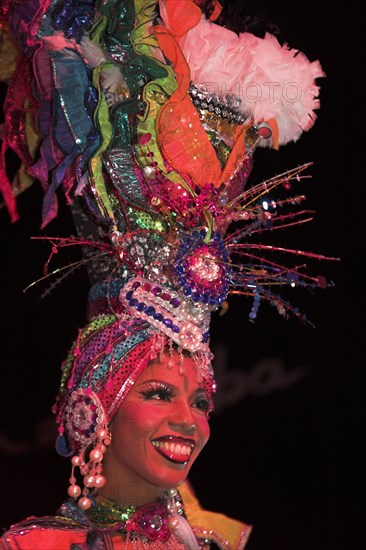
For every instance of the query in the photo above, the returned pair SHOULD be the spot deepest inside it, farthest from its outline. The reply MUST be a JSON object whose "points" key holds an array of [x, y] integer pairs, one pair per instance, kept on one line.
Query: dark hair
{"points": [[241, 16]]}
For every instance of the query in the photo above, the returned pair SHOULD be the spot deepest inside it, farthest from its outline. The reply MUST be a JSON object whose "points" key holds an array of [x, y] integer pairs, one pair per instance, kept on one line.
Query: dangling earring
{"points": [[90, 470], [86, 425]]}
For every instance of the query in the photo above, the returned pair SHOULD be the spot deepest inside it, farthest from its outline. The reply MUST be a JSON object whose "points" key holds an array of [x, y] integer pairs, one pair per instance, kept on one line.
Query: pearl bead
{"points": [[96, 455], [101, 434], [76, 460], [74, 491], [84, 503], [89, 481], [173, 523], [99, 481]]}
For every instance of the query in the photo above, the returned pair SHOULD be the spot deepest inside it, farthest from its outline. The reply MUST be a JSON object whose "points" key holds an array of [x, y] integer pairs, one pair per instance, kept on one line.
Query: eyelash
{"points": [[165, 393]]}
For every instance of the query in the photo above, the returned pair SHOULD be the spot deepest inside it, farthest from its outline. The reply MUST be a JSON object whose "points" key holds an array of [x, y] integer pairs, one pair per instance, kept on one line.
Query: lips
{"points": [[174, 449]]}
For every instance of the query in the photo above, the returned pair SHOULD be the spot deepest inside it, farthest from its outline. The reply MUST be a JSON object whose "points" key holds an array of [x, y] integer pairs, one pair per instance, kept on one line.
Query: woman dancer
{"points": [[147, 114]]}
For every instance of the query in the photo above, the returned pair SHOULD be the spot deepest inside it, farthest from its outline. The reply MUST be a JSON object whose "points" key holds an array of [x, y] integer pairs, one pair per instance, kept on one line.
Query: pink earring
{"points": [[87, 427], [91, 470]]}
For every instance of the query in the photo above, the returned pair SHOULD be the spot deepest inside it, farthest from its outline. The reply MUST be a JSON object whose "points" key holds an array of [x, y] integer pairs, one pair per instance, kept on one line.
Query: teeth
{"points": [[176, 448]]}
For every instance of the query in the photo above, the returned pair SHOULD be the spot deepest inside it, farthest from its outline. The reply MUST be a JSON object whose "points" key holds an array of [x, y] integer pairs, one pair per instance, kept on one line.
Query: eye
{"points": [[203, 403], [158, 391]]}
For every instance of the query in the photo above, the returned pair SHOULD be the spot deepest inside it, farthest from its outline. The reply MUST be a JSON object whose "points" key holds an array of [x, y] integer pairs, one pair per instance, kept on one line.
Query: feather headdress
{"points": [[147, 117], [153, 127]]}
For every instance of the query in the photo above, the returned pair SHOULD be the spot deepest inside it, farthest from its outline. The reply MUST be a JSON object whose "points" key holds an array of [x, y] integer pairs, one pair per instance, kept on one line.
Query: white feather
{"points": [[273, 81]]}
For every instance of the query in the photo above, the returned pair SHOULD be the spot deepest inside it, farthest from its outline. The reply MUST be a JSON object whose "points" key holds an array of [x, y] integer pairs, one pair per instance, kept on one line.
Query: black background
{"points": [[283, 452]]}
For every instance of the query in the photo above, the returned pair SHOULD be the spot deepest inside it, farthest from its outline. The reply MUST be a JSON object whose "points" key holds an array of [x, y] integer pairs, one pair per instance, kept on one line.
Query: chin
{"points": [[171, 479]]}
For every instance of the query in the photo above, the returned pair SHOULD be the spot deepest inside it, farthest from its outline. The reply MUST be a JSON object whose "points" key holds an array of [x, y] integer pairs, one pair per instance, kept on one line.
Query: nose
{"points": [[182, 420], [183, 427]]}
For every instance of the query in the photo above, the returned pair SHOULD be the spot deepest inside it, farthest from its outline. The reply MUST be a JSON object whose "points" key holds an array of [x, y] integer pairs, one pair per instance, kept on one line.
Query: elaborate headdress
{"points": [[147, 116]]}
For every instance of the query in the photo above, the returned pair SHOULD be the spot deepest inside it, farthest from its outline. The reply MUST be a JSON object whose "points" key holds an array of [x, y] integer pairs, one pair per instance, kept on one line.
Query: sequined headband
{"points": [[115, 347]]}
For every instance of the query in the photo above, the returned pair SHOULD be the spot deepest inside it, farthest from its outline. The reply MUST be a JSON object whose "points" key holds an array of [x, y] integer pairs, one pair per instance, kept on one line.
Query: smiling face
{"points": [[157, 433]]}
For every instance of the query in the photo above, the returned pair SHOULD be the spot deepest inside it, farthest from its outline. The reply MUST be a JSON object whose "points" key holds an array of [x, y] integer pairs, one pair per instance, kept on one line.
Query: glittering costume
{"points": [[146, 115], [106, 523]]}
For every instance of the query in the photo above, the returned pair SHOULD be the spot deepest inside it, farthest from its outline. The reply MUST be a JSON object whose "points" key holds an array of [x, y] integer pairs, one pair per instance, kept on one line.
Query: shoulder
{"points": [[225, 532], [43, 533]]}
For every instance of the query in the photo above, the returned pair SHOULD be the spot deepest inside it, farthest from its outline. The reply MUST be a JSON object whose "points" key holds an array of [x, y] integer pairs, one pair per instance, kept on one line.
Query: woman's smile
{"points": [[175, 449]]}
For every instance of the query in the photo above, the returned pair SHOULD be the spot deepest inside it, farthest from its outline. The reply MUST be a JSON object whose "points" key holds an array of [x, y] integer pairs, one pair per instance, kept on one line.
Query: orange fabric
{"points": [[181, 135], [228, 533], [216, 12], [236, 156], [183, 15]]}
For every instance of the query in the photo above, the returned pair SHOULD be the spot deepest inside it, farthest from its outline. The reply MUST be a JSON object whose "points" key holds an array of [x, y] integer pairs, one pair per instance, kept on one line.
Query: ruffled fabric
{"points": [[181, 136], [72, 128], [101, 106], [18, 132], [273, 81]]}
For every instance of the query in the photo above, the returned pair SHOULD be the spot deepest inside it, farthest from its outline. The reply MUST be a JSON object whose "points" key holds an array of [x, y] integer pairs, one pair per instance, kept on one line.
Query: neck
{"points": [[131, 494]]}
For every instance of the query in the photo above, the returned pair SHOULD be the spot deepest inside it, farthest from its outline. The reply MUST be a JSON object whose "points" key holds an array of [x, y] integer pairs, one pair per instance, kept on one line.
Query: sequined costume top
{"points": [[99, 529]]}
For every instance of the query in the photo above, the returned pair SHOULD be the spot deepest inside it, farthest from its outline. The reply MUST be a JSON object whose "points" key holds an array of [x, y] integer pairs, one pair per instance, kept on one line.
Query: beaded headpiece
{"points": [[147, 116]]}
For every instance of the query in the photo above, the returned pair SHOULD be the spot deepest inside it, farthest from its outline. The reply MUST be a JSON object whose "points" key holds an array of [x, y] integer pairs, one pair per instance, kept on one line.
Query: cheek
{"points": [[149, 417], [203, 429], [139, 419], [129, 437]]}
